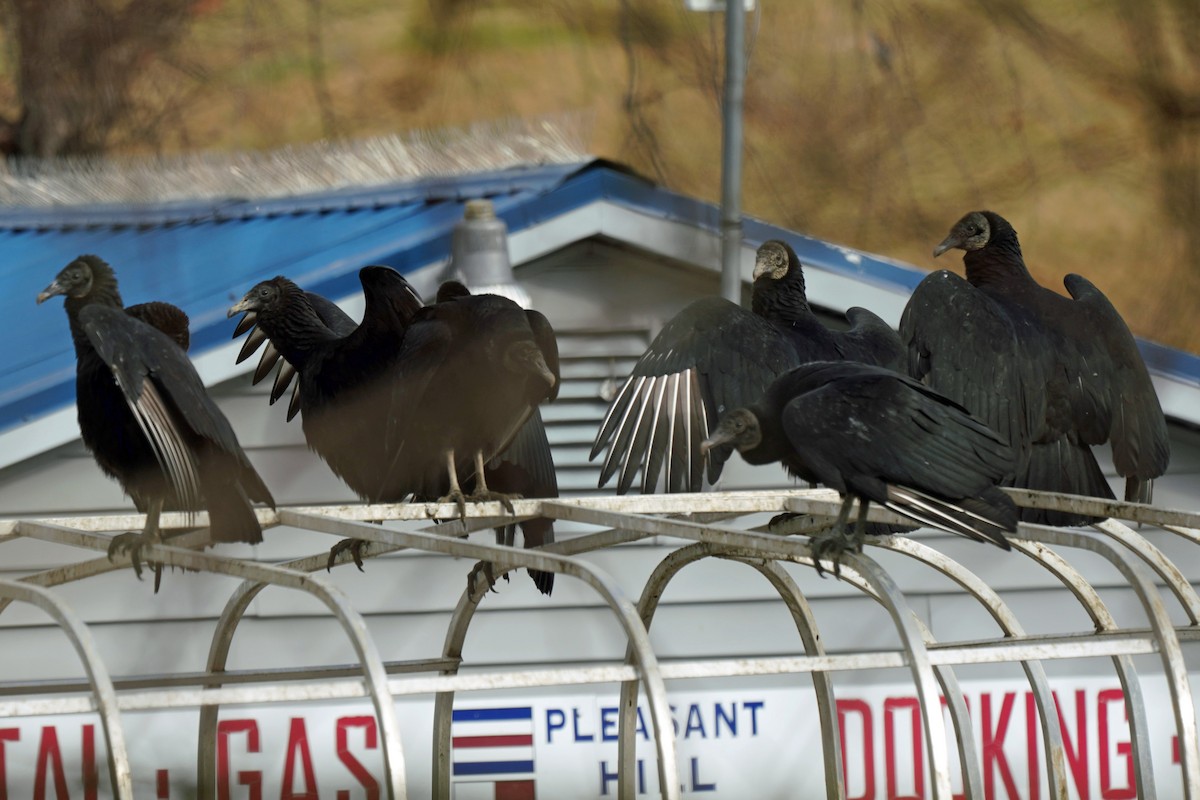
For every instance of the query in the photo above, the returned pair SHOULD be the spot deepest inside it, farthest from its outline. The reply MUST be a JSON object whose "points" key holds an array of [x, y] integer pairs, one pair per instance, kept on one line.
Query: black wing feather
{"points": [[711, 357]]}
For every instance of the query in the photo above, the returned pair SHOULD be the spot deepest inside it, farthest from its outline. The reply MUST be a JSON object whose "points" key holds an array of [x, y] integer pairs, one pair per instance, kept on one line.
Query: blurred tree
{"points": [[76, 64], [1159, 74]]}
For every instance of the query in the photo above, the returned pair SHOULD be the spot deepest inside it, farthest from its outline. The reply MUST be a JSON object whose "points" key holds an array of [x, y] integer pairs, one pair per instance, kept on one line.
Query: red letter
{"points": [[49, 757], [1107, 791], [365, 779], [6, 735], [860, 707], [1076, 758], [889, 747], [1031, 742], [298, 743], [91, 775], [251, 778], [993, 744]]}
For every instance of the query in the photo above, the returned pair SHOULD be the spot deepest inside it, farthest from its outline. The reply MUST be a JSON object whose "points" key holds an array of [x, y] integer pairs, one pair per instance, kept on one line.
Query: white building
{"points": [[608, 257]]}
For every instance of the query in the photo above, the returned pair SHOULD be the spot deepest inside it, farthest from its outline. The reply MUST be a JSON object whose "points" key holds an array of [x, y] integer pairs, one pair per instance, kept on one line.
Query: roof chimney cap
{"points": [[479, 253]]}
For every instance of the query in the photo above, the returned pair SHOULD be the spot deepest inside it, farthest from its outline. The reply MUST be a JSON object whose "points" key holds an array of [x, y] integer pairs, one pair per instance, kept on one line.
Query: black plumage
{"points": [[878, 436], [345, 377], [144, 412], [1055, 375], [330, 315], [714, 356], [411, 390]]}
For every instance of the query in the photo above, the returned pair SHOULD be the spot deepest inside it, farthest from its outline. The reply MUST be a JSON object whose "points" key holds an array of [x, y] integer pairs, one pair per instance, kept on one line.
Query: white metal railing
{"points": [[701, 522]]}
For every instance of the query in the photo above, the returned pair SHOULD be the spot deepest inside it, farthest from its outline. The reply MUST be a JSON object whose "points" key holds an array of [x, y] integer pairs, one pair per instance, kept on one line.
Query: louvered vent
{"points": [[594, 365]]}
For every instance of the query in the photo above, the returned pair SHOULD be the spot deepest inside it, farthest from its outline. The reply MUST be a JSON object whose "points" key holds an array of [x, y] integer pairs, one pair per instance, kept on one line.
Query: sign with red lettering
{"points": [[733, 742]]}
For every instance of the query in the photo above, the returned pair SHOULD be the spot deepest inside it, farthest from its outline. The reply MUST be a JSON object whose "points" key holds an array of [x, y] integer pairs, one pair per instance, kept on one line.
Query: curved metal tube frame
{"points": [[1056, 759], [1135, 701], [102, 688], [770, 546], [258, 577], [1169, 647], [1175, 581], [806, 625], [506, 557]]}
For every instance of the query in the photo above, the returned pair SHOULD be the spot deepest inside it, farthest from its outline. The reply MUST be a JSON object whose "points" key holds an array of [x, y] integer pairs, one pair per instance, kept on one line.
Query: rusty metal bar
{"points": [[102, 693]]}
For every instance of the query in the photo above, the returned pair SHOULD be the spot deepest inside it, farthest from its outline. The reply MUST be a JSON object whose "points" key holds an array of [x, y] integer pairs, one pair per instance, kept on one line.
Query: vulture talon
{"points": [[132, 543], [831, 546], [355, 546], [485, 569], [454, 496], [489, 496]]}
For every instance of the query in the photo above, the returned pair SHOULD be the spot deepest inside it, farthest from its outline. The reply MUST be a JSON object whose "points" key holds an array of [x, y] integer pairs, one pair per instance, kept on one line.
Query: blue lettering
{"points": [[608, 724], [641, 728], [579, 737], [555, 719], [753, 708], [695, 722], [697, 786], [730, 719], [606, 777]]}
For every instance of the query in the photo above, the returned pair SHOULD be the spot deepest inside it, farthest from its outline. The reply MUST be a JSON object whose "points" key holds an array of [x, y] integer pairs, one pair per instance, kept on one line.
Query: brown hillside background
{"points": [[873, 124]]}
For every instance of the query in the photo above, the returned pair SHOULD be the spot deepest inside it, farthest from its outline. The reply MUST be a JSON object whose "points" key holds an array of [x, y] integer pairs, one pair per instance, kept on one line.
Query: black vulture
{"points": [[372, 399], [345, 378], [145, 415], [331, 316], [878, 436], [713, 356], [1055, 375]]}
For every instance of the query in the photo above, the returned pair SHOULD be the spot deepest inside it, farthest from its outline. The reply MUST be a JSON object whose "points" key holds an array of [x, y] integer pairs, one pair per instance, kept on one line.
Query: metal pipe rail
{"points": [[625, 519]]}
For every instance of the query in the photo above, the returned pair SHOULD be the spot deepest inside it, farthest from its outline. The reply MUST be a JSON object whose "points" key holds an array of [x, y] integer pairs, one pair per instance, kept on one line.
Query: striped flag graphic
{"points": [[492, 753]]}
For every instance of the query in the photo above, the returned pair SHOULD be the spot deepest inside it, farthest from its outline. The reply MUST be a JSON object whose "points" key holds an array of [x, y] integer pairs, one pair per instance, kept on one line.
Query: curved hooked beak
{"points": [[241, 305], [715, 439], [52, 290], [949, 243]]}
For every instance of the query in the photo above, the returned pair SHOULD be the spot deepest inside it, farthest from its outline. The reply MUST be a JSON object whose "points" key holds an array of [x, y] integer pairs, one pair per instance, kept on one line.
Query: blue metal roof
{"points": [[203, 256]]}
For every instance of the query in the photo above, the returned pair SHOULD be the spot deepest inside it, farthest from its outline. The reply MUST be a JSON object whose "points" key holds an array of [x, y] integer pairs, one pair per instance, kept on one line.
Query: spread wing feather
{"points": [[164, 392], [1116, 388], [711, 357], [960, 343]]}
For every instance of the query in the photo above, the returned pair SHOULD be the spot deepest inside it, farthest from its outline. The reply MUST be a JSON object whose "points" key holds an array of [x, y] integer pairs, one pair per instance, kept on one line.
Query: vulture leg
{"points": [[455, 495], [483, 494], [832, 544], [134, 542]]}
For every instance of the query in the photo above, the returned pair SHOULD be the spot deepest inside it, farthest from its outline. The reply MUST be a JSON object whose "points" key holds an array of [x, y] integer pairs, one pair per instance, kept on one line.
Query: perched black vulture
{"points": [[879, 437], [345, 379], [1055, 375], [475, 368], [712, 357], [145, 415], [331, 316], [371, 396]]}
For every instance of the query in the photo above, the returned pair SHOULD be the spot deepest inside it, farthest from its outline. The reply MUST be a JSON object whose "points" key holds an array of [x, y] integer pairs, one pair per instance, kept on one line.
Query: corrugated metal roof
{"points": [[204, 255]]}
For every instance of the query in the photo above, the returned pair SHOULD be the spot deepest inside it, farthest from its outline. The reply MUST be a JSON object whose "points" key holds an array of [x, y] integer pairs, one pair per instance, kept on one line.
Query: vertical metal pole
{"points": [[731, 151]]}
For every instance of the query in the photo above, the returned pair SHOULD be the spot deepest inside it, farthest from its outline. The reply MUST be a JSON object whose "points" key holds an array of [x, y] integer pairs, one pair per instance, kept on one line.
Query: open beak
{"points": [[242, 305], [50, 291]]}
